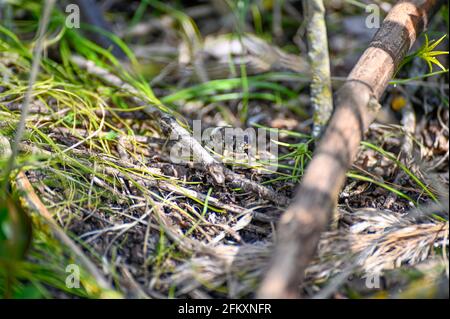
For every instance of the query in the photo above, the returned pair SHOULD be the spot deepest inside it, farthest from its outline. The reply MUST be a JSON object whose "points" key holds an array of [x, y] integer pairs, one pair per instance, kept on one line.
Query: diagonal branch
{"points": [[356, 106]]}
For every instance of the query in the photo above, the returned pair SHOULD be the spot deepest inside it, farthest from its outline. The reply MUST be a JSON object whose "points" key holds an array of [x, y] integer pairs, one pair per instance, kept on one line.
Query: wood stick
{"points": [[356, 105], [319, 60], [23, 184]]}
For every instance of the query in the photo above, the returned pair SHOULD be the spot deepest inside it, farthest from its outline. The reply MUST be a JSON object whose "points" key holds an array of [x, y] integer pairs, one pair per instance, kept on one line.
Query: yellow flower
{"points": [[398, 103]]}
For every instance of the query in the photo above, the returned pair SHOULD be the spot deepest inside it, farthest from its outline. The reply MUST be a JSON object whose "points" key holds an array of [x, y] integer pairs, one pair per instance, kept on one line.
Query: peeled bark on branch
{"points": [[301, 225]]}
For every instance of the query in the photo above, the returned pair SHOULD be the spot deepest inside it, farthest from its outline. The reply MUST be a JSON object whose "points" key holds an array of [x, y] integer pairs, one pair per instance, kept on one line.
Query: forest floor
{"points": [[138, 222]]}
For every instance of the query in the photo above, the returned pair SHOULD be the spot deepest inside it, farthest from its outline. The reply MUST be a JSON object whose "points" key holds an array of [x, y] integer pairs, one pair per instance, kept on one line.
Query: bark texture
{"points": [[319, 60], [301, 225]]}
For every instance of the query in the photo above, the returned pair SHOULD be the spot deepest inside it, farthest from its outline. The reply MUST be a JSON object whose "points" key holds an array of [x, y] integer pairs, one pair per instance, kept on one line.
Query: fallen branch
{"points": [[356, 106]]}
